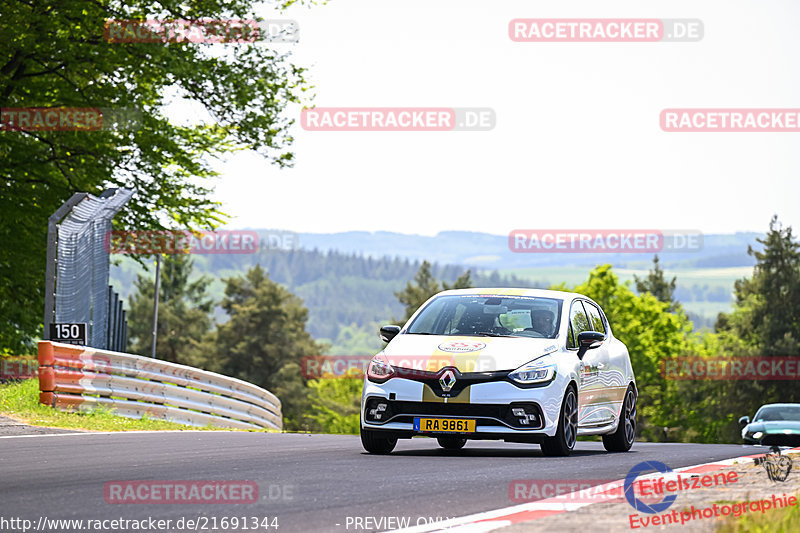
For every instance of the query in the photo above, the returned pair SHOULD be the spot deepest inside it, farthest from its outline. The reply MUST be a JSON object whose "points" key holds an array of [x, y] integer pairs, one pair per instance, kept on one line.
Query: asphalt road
{"points": [[309, 482]]}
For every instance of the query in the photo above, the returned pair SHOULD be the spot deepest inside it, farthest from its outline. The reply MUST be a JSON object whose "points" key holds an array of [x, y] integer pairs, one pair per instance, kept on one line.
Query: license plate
{"points": [[444, 425]]}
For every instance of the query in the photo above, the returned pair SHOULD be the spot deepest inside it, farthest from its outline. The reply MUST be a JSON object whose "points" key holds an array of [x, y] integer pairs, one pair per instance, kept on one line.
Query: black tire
{"points": [[451, 443], [622, 439], [563, 442], [377, 442]]}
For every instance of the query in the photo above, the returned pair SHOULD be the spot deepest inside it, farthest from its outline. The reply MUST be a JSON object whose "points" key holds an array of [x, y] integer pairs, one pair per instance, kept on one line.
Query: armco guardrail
{"points": [[80, 378]]}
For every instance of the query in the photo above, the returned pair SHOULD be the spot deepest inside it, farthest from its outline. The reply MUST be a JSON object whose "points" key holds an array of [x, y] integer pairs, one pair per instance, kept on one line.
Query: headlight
{"points": [[379, 369], [539, 370], [757, 435]]}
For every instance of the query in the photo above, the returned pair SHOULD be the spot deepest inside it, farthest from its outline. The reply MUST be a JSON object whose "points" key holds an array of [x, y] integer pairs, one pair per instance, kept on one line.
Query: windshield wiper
{"points": [[491, 334]]}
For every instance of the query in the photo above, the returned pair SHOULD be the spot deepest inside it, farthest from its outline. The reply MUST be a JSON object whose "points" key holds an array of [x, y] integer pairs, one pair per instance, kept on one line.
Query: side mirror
{"points": [[744, 421], [590, 339], [387, 333]]}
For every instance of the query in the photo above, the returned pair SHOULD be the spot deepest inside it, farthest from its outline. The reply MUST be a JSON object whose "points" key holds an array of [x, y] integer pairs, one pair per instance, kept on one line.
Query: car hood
{"points": [[775, 426], [467, 354]]}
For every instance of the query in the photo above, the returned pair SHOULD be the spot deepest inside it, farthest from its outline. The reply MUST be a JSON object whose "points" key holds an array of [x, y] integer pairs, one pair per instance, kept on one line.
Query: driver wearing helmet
{"points": [[542, 322]]}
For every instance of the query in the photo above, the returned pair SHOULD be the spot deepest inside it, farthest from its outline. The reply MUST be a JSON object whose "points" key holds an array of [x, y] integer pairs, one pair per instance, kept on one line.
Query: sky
{"points": [[577, 141]]}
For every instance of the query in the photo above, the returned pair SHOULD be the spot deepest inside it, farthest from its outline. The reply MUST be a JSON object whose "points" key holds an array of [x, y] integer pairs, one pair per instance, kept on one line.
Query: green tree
{"points": [[657, 285], [183, 312], [767, 305], [425, 286], [336, 404], [765, 321], [53, 54], [264, 341], [353, 340], [711, 408], [652, 335]]}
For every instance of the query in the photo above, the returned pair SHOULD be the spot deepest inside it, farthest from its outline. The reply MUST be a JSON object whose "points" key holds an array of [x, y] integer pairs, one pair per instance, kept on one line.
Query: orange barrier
{"points": [[81, 378]]}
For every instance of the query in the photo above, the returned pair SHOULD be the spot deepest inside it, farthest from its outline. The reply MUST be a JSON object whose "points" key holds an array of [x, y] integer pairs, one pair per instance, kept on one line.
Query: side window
{"points": [[578, 321], [570, 339], [594, 317]]}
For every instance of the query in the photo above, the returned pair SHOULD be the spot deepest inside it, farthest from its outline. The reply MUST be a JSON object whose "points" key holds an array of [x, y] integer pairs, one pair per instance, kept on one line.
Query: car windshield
{"points": [[490, 316], [778, 412]]}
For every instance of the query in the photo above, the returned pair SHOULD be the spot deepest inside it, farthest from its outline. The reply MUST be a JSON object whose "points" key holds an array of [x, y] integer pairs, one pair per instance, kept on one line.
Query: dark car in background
{"points": [[775, 424]]}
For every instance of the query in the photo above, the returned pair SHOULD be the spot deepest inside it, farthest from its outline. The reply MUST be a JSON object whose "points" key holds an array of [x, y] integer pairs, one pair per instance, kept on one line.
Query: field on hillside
{"points": [[692, 284], [349, 296]]}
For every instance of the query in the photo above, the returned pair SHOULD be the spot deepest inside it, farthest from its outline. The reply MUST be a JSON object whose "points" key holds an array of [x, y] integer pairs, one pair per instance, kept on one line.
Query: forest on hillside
{"points": [[347, 295], [268, 328]]}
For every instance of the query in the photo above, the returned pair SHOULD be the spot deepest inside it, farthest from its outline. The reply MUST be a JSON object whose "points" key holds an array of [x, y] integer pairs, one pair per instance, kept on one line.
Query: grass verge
{"points": [[785, 520], [20, 400]]}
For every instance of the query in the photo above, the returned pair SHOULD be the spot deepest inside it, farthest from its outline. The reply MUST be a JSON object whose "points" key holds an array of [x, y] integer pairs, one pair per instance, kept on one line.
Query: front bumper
{"points": [[775, 439], [490, 404]]}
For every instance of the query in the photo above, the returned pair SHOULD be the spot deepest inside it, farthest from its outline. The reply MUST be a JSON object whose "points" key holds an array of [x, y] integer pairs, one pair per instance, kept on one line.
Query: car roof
{"points": [[511, 291], [779, 405]]}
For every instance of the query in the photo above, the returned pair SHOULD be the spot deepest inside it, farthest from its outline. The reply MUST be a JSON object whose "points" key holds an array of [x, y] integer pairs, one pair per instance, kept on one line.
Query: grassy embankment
{"points": [[20, 401], [786, 520]]}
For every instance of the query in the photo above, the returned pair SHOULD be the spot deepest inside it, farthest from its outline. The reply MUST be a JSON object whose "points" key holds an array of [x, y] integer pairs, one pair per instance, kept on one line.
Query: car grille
{"points": [[485, 414], [463, 380], [781, 440]]}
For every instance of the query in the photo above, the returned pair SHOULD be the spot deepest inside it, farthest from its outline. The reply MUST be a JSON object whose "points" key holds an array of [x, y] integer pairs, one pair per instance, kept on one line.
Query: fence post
{"points": [[76, 274]]}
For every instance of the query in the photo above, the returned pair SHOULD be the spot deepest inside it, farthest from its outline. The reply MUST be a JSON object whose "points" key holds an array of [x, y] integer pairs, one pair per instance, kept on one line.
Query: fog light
{"points": [[518, 411], [381, 407]]}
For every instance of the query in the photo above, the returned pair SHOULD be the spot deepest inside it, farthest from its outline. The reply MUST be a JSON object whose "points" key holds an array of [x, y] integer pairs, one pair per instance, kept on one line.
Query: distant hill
{"points": [[343, 291], [492, 251], [347, 280]]}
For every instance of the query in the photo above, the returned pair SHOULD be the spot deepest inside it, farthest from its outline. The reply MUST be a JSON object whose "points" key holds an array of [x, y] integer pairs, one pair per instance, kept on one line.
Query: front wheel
{"points": [[376, 442], [622, 439], [567, 433]]}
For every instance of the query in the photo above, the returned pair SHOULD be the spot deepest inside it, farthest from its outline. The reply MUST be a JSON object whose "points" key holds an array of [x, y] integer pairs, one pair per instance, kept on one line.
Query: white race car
{"points": [[520, 365]]}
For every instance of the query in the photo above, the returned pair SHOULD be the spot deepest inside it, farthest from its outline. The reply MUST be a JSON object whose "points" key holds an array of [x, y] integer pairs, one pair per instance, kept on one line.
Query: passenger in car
{"points": [[542, 322]]}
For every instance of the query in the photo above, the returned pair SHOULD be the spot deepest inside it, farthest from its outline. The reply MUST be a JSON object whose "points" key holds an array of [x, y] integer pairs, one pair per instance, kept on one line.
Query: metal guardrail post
{"points": [[155, 304]]}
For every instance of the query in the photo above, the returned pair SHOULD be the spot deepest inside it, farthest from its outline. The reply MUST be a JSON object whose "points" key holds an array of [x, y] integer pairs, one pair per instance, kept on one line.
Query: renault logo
{"points": [[447, 380]]}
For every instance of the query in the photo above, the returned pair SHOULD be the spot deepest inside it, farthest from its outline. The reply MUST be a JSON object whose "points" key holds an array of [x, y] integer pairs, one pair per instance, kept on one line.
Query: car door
{"points": [[612, 373], [593, 406]]}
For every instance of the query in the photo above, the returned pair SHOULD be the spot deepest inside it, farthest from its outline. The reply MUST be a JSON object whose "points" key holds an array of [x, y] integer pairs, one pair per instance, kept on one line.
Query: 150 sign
{"points": [[73, 333]]}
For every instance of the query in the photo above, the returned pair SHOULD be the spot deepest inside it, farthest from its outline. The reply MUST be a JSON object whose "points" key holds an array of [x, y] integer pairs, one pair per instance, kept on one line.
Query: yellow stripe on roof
{"points": [[487, 291], [513, 292]]}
